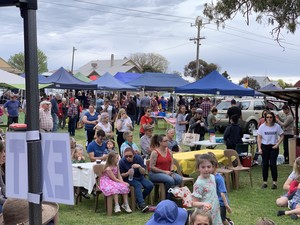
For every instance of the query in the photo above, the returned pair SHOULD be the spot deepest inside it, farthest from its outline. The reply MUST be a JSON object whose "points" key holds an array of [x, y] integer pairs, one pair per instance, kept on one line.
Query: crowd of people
{"points": [[109, 123]]}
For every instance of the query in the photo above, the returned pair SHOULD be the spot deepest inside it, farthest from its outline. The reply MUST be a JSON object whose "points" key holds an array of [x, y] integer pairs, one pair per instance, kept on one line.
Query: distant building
{"points": [[96, 68], [263, 81], [297, 84], [8, 68]]}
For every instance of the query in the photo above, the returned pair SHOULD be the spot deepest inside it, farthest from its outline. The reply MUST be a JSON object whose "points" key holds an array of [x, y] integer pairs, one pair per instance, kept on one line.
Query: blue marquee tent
{"points": [[62, 79], [270, 87], [158, 81], [108, 82], [127, 77], [40, 77], [214, 83]]}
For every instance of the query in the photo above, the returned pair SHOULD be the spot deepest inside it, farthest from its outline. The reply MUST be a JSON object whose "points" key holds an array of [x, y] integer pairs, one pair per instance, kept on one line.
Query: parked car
{"points": [[251, 112]]}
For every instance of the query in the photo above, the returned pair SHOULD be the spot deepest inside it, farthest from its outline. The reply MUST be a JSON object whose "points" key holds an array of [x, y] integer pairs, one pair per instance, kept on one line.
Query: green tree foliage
{"points": [[18, 61], [283, 85], [204, 69], [252, 83], [283, 14], [150, 62], [226, 75]]}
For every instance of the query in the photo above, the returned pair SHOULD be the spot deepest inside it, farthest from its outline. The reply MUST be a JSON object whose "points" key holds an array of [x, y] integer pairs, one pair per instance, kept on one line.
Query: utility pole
{"points": [[74, 49], [198, 24]]}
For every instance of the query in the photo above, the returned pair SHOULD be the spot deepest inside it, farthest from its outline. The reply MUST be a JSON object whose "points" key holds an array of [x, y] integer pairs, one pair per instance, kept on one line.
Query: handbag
{"points": [[184, 193], [189, 138]]}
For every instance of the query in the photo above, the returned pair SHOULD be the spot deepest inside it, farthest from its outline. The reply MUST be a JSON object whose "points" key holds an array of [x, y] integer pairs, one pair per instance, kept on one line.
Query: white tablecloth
{"points": [[83, 175], [207, 143]]}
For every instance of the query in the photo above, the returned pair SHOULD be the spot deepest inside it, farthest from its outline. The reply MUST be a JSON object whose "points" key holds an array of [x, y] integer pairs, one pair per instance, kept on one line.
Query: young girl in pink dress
{"points": [[111, 183], [205, 193]]}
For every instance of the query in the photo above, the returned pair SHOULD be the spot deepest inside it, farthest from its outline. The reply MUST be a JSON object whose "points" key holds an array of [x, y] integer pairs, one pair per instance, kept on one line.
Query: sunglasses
{"points": [[128, 156]]}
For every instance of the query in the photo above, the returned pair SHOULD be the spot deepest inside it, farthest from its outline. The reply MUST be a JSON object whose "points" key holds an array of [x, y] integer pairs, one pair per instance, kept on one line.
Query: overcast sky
{"points": [[98, 28]]}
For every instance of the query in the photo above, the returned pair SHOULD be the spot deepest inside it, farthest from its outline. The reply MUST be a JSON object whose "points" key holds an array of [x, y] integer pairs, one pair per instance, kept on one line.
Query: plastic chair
{"points": [[226, 173], [159, 188], [179, 171], [232, 155], [242, 149], [98, 170]]}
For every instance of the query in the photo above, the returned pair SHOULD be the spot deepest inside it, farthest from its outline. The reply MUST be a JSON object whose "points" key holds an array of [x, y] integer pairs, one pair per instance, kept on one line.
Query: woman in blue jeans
{"points": [[161, 163]]}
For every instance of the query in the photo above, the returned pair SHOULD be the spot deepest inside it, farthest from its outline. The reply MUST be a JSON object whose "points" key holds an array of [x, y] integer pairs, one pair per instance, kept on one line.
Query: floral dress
{"points": [[205, 191], [110, 187]]}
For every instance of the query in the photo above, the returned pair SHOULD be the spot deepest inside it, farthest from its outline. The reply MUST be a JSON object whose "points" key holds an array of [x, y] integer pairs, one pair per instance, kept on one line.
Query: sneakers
{"points": [[274, 186], [294, 216], [143, 207], [264, 186], [117, 208], [230, 221], [126, 208], [85, 195]]}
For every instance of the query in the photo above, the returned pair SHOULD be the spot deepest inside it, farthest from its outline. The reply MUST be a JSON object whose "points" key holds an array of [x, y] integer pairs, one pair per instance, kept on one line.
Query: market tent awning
{"points": [[10, 80], [62, 79], [108, 82], [80, 76], [270, 87], [158, 81], [214, 83], [127, 77]]}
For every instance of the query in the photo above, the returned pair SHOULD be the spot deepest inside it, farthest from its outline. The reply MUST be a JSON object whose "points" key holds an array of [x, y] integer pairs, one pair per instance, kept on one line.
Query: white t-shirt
{"points": [[269, 134], [105, 129], [124, 124]]}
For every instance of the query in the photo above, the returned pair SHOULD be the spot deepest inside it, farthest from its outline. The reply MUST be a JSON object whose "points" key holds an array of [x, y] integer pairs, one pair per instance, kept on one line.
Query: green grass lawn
{"points": [[248, 204]]}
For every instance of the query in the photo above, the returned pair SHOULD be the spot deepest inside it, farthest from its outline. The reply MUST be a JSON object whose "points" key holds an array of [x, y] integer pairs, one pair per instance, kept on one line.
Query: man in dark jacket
{"points": [[233, 133]]}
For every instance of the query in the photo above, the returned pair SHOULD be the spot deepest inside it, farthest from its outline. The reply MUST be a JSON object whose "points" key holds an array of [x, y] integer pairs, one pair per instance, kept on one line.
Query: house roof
{"points": [[111, 66], [263, 80], [8, 68], [297, 84]]}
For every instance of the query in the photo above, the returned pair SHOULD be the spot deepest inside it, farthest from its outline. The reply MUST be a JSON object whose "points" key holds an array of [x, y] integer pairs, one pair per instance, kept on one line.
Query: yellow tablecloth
{"points": [[187, 159]]}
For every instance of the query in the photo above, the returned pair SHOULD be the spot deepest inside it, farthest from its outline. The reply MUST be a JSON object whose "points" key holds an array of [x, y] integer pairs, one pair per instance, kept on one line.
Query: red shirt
{"points": [[144, 121], [164, 163]]}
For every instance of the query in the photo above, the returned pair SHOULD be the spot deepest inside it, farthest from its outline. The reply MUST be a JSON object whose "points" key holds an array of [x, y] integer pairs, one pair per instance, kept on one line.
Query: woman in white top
{"points": [[270, 135], [105, 125], [123, 123], [180, 126]]}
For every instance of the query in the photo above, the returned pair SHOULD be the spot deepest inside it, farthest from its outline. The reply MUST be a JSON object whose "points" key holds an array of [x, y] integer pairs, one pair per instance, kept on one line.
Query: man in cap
{"points": [[46, 120], [11, 109]]}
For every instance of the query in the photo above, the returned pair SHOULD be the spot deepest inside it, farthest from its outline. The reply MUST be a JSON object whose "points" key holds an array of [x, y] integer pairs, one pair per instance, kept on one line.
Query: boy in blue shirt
{"points": [[222, 193]]}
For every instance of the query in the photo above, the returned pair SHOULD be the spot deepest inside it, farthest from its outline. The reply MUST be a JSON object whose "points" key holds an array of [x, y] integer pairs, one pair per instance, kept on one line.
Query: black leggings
{"points": [[120, 140], [269, 158], [90, 134], [286, 146]]}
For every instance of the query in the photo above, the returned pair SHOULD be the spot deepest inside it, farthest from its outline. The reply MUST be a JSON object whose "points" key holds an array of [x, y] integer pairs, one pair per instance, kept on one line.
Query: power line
{"points": [[135, 10]]}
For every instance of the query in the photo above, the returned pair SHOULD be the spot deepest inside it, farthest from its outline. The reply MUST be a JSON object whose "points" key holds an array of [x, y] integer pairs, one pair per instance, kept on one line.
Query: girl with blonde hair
{"points": [[123, 123]]}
